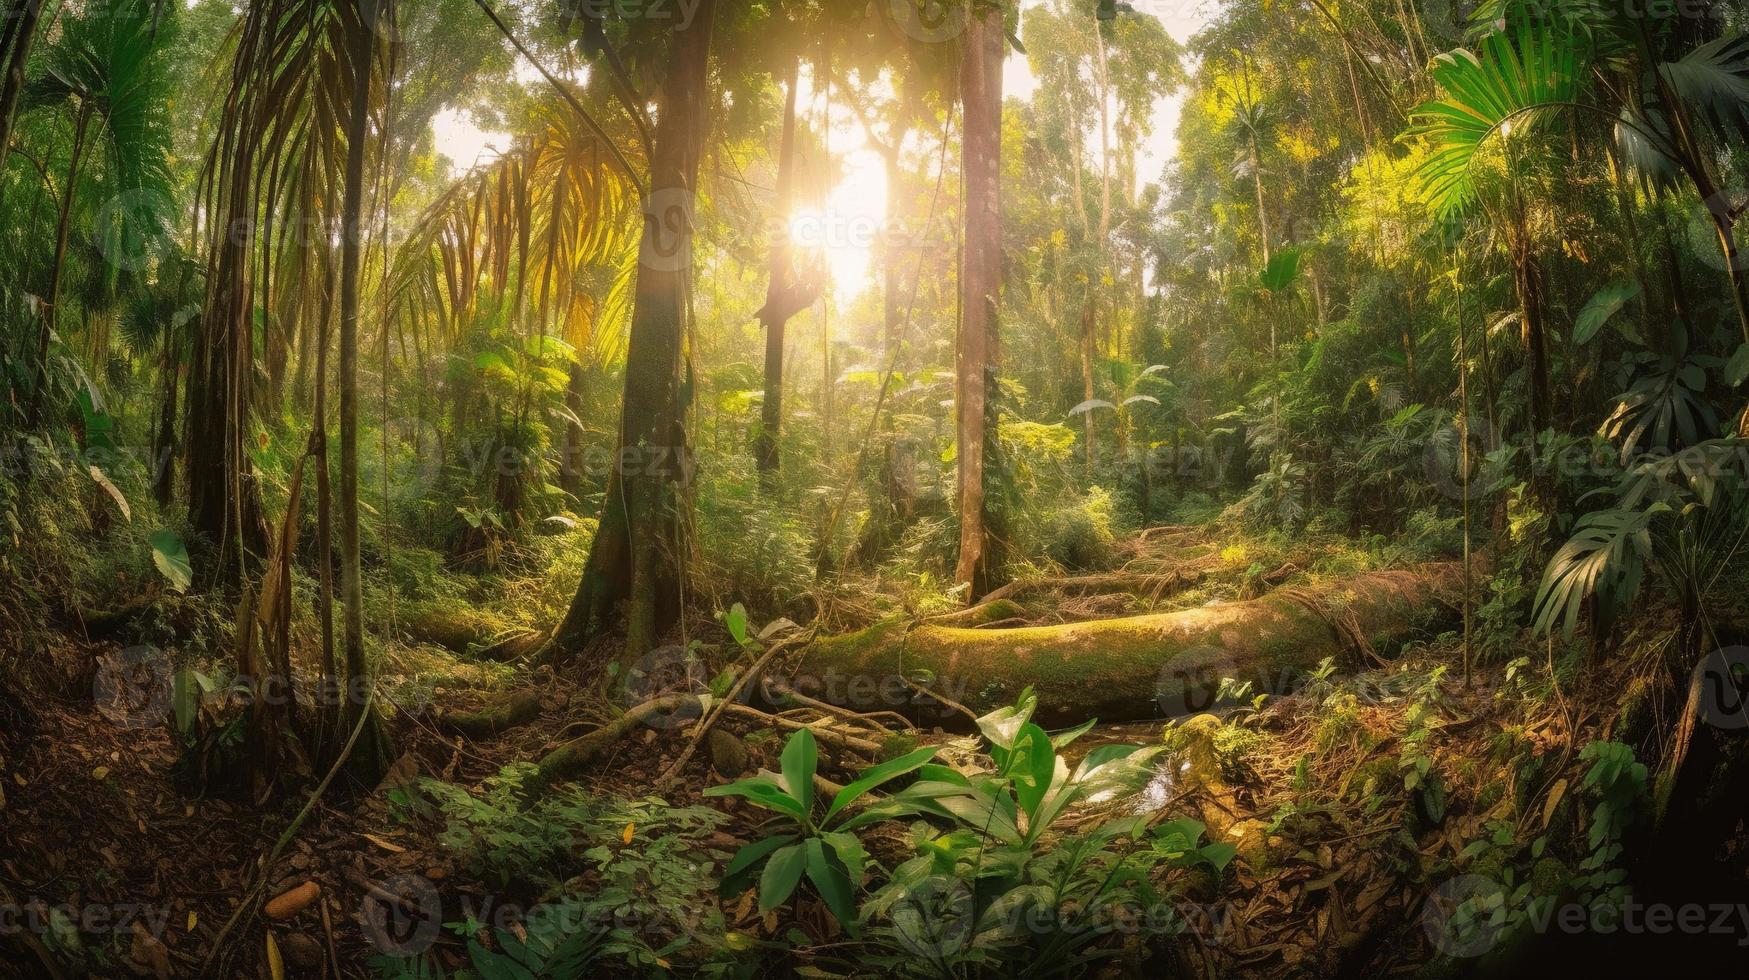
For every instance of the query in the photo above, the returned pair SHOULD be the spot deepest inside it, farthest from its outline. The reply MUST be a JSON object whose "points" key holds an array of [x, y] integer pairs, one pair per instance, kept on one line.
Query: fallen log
{"points": [[1133, 668]]}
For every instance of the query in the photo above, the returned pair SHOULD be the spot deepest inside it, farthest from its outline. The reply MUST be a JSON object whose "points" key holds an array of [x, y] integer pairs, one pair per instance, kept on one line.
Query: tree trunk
{"points": [[776, 312], [23, 17], [51, 317], [324, 492], [1088, 430], [164, 443], [368, 761], [651, 461], [1137, 667], [980, 288], [1528, 280]]}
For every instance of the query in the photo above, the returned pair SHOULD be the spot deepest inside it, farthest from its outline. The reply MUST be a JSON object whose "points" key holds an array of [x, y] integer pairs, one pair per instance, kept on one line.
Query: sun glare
{"points": [[849, 224]]}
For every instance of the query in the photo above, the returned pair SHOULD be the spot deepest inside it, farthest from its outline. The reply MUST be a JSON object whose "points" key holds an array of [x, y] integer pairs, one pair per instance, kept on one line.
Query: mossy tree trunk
{"points": [[1137, 667], [980, 290], [635, 554]]}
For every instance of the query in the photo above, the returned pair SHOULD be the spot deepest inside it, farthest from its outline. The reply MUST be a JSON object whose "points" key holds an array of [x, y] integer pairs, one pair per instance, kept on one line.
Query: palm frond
{"points": [[1514, 80]]}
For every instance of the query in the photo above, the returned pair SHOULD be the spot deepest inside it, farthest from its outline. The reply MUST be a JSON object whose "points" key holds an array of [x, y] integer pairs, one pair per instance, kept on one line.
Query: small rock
{"points": [[302, 951], [728, 753]]}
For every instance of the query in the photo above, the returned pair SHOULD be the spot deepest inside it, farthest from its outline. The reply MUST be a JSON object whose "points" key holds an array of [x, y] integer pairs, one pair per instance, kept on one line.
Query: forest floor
{"points": [[1323, 787]]}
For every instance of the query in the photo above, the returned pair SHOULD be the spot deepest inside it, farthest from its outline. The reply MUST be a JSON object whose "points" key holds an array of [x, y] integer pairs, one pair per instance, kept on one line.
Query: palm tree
{"points": [[22, 20], [1511, 86], [1675, 102], [108, 66]]}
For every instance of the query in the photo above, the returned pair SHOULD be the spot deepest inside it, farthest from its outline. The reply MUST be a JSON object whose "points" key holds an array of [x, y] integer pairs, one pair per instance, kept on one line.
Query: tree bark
{"points": [[980, 288], [368, 763], [777, 310], [24, 16], [1528, 279], [1142, 666], [640, 508], [52, 316]]}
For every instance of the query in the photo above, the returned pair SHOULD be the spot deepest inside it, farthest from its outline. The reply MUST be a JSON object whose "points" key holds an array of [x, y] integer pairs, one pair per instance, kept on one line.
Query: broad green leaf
{"points": [[1063, 739], [1604, 303], [1281, 272], [801, 757], [736, 622], [1002, 725], [740, 868], [1035, 768], [766, 790], [782, 873], [1738, 367], [171, 557], [832, 880], [875, 776]]}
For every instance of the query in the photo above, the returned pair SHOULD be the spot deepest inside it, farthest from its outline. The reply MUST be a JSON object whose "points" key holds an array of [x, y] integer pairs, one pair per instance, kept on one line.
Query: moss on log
{"points": [[1133, 668]]}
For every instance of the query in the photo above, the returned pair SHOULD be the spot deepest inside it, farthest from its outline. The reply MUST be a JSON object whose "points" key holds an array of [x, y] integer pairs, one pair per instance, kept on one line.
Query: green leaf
{"points": [[99, 424], [875, 776], [1281, 272], [1003, 725], [739, 872], [736, 622], [765, 790], [1035, 768], [782, 874], [832, 881], [1218, 855], [1062, 739], [1738, 367], [801, 757], [1602, 305], [171, 557]]}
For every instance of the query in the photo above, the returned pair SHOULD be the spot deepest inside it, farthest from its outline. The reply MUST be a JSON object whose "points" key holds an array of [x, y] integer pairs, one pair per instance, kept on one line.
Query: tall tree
{"points": [[635, 555], [788, 291], [361, 59], [22, 19], [980, 287]]}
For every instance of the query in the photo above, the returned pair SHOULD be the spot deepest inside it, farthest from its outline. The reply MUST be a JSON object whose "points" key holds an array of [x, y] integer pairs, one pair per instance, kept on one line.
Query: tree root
{"points": [[520, 708]]}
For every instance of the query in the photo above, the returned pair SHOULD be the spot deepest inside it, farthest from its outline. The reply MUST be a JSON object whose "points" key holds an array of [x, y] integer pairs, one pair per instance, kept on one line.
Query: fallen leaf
{"points": [[101, 772], [389, 846], [275, 965], [1554, 800], [193, 919]]}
